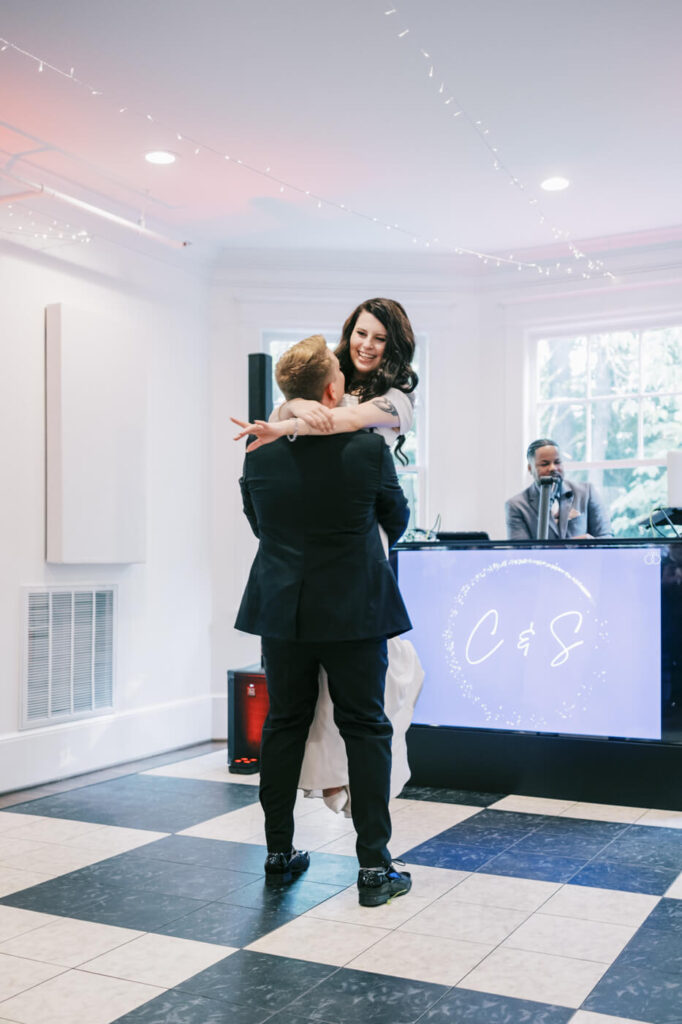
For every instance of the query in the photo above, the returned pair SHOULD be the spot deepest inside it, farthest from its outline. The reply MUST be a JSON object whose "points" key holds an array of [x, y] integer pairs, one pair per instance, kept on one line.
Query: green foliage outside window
{"points": [[616, 398]]}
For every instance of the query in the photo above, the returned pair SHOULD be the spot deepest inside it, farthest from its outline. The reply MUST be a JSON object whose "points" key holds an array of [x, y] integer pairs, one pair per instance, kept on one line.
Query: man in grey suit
{"points": [[576, 511]]}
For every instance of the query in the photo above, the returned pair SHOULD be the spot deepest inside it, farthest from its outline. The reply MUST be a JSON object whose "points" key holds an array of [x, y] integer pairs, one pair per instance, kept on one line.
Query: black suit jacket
{"points": [[320, 572]]}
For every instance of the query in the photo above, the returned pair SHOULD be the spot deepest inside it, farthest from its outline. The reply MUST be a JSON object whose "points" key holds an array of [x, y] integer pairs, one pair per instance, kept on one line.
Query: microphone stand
{"points": [[547, 485]]}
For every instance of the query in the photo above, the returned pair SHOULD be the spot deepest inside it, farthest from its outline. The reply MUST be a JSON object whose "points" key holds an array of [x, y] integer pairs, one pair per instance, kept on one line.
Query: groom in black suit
{"points": [[321, 593]]}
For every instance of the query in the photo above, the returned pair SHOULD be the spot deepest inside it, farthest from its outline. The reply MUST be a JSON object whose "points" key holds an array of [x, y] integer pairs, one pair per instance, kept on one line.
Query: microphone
{"points": [[558, 483], [547, 490]]}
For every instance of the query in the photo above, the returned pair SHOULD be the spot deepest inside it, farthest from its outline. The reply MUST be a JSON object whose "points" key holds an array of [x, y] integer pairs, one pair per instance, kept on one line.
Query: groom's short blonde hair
{"points": [[305, 369]]}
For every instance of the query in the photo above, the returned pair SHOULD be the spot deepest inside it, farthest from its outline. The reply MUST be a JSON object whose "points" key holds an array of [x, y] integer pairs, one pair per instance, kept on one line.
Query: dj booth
{"points": [[551, 669]]}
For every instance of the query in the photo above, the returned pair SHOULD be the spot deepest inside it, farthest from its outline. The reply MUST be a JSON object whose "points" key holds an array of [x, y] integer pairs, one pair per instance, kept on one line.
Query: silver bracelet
{"points": [[292, 437]]}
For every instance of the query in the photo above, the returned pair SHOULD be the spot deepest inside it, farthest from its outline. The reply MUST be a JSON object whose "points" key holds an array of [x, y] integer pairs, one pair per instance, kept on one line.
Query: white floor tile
{"points": [[10, 820], [532, 805], [605, 812], [56, 859], [427, 958], [608, 905], [68, 942], [537, 976], [344, 845], [587, 1017], [76, 997], [52, 830], [11, 848], [233, 826], [468, 922], [569, 936], [113, 839], [161, 960], [429, 813], [193, 767], [15, 921], [427, 885], [12, 880], [662, 819], [502, 891], [17, 975], [309, 938]]}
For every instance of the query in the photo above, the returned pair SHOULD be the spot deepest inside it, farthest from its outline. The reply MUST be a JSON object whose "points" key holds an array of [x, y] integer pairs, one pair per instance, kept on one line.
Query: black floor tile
{"points": [[175, 1007], [639, 994], [291, 1017], [225, 924], [436, 854], [158, 803], [332, 869], [450, 796], [258, 980], [653, 948], [468, 1007], [584, 827], [515, 863], [294, 897], [147, 874], [509, 821], [70, 896], [349, 996], [644, 878], [10, 799], [578, 847], [641, 844], [666, 916], [212, 853]]}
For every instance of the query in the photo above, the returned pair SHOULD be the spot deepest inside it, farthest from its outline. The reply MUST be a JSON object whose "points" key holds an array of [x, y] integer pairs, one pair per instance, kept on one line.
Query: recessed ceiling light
{"points": [[555, 184], [160, 156]]}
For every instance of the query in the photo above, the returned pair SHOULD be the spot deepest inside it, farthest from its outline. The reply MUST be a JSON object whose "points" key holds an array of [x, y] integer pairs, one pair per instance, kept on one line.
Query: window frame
{"points": [[566, 329]]}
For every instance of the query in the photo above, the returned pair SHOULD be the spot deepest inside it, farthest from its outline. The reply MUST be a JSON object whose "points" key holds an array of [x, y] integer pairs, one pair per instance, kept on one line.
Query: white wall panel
{"points": [[96, 433]]}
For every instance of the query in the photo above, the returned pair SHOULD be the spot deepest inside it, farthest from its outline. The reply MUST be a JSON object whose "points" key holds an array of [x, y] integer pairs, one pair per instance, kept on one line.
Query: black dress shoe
{"points": [[282, 867], [377, 887]]}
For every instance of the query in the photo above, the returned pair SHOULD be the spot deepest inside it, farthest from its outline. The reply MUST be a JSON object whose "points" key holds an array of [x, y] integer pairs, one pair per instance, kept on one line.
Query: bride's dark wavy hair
{"points": [[395, 369]]}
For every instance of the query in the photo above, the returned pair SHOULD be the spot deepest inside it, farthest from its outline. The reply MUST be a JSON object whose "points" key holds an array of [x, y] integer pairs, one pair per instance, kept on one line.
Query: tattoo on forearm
{"points": [[385, 405]]}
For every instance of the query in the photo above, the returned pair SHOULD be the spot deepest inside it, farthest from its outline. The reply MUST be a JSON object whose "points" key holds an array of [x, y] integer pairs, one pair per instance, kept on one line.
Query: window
{"points": [[613, 402], [411, 476]]}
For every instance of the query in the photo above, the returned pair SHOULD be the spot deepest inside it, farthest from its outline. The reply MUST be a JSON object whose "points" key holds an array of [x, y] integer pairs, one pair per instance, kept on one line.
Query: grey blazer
{"points": [[581, 510]]}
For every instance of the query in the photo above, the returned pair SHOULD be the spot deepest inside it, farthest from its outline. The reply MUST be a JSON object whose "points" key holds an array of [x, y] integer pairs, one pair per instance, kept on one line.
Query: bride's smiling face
{"points": [[367, 344]]}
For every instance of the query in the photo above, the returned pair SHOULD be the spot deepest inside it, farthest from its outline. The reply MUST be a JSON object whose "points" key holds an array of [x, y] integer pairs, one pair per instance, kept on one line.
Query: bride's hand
{"points": [[316, 415], [265, 433]]}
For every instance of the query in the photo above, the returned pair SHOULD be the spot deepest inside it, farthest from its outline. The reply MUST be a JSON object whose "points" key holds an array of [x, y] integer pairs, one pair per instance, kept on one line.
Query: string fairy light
{"points": [[34, 227], [499, 165], [320, 201]]}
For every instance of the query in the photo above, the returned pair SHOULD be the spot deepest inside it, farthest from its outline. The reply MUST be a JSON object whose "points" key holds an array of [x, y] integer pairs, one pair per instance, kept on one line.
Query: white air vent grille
{"points": [[69, 663]]}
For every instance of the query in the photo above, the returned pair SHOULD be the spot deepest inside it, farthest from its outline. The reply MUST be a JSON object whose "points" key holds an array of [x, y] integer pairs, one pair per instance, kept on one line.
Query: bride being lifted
{"points": [[375, 355]]}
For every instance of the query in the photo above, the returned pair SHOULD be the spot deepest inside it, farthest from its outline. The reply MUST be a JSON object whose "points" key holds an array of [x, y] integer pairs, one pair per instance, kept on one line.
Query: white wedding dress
{"points": [[325, 765]]}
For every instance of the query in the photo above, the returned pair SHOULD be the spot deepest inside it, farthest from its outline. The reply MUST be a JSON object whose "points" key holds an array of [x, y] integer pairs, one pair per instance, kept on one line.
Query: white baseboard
{"points": [[33, 757]]}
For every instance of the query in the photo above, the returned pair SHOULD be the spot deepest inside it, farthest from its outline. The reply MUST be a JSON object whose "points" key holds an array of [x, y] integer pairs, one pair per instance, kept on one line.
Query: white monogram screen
{"points": [[565, 641]]}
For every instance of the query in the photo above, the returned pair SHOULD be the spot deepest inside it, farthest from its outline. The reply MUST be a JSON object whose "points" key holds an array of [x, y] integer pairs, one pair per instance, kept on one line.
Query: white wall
{"points": [[163, 686]]}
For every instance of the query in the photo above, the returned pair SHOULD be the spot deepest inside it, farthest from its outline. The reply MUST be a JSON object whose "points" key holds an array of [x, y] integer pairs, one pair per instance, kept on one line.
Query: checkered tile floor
{"points": [[141, 900]]}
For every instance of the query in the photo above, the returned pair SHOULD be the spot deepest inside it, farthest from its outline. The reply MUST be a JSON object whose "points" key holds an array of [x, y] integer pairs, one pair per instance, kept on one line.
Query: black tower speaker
{"points": [[260, 386], [247, 706]]}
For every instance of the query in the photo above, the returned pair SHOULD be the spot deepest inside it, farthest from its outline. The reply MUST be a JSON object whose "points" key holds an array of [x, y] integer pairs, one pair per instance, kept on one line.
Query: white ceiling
{"points": [[326, 95]]}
